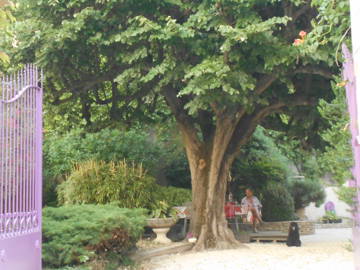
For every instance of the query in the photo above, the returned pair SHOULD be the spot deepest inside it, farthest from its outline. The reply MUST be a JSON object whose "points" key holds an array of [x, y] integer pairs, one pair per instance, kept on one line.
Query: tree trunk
{"points": [[210, 162], [208, 222]]}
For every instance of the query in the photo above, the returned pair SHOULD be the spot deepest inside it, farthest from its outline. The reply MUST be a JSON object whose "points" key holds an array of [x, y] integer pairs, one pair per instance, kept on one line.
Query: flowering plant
{"points": [[299, 41]]}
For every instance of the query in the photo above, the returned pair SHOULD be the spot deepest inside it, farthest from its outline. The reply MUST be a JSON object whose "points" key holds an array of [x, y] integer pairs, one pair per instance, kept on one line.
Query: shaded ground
{"points": [[327, 249]]}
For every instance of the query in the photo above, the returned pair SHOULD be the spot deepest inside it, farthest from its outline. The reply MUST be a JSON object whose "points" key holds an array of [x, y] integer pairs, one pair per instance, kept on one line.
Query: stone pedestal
{"points": [[161, 226], [161, 235]]}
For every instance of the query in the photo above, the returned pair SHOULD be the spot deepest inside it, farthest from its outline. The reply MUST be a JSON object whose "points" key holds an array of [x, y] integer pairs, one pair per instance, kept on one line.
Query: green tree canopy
{"points": [[337, 158], [222, 67], [5, 19]]}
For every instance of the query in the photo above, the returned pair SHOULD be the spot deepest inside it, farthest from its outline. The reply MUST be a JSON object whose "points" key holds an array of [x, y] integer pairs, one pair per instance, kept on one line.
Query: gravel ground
{"points": [[327, 249]]}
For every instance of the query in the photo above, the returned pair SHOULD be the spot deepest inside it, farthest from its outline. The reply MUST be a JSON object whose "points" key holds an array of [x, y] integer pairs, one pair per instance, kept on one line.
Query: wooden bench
{"points": [[273, 236]]}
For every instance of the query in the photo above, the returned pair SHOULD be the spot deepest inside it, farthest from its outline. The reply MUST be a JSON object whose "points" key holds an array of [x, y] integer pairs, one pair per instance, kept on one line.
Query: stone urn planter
{"points": [[161, 226]]}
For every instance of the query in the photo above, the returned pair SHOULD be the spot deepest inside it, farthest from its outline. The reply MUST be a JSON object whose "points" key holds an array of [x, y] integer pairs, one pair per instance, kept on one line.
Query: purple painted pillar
{"points": [[20, 170], [354, 107]]}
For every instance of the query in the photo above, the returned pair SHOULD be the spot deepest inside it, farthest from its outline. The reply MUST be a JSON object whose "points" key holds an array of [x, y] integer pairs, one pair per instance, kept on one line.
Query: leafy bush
{"points": [[177, 171], [49, 190], [161, 209], [77, 234], [167, 198], [306, 191], [61, 152], [100, 183], [127, 185], [330, 217], [174, 196], [256, 174], [260, 162], [278, 204], [347, 195]]}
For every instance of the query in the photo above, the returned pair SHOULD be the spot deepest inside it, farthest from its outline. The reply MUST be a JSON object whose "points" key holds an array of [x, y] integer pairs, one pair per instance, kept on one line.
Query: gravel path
{"points": [[324, 250]]}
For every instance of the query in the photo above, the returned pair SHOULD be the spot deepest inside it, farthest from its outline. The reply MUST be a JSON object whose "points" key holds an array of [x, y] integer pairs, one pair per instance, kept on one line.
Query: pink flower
{"points": [[298, 42], [302, 34]]}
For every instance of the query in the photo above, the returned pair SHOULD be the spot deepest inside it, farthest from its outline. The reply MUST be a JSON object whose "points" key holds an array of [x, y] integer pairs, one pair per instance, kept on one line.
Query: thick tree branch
{"points": [[264, 83], [185, 122], [293, 101], [301, 10], [294, 12], [247, 125], [86, 83], [275, 123], [100, 101], [115, 112], [58, 101], [326, 73]]}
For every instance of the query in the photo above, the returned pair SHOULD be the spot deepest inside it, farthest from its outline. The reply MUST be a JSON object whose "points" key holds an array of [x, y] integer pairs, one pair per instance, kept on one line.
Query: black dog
{"points": [[293, 239]]}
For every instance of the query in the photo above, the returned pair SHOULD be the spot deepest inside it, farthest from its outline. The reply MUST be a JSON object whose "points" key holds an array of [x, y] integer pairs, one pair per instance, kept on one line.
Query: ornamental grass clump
{"points": [[100, 182], [78, 234]]}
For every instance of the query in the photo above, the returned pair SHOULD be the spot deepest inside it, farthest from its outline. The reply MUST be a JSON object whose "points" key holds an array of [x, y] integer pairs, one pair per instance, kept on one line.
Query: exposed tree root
{"points": [[224, 239]]}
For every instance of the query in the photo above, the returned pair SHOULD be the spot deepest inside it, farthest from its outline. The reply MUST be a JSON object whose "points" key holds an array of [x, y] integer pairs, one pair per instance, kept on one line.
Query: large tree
{"points": [[223, 67]]}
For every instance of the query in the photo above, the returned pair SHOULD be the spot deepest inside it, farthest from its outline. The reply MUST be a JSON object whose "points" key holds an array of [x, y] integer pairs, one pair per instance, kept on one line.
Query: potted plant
{"points": [[331, 217], [162, 218], [325, 219]]}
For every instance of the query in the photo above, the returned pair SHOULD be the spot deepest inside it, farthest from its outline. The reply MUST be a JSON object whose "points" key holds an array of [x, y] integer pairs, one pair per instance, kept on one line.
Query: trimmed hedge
{"points": [[278, 204], [78, 234], [305, 192]]}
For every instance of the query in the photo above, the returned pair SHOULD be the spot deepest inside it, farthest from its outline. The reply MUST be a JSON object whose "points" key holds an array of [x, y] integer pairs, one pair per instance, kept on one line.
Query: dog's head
{"points": [[293, 226]]}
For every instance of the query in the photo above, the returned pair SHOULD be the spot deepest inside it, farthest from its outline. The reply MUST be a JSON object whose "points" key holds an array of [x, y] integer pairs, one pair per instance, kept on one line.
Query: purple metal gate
{"points": [[20, 170], [353, 107]]}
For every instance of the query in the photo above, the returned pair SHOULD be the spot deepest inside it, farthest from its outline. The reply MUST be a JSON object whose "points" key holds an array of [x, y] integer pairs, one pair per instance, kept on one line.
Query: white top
{"points": [[252, 202]]}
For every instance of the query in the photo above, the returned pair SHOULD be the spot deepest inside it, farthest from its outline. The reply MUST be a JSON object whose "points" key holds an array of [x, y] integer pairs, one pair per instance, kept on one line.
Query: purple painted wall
{"points": [[20, 170], [353, 107]]}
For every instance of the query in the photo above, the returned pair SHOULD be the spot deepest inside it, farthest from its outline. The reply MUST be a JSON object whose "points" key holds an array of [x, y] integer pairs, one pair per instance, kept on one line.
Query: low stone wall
{"points": [[306, 227]]}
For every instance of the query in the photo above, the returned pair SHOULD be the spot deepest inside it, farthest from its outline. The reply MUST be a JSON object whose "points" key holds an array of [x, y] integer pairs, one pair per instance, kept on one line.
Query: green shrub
{"points": [[278, 204], [161, 209], [127, 185], [78, 234], [49, 190], [256, 173], [177, 171], [100, 183], [260, 162], [305, 192], [167, 198], [61, 152], [347, 195], [174, 196], [330, 217]]}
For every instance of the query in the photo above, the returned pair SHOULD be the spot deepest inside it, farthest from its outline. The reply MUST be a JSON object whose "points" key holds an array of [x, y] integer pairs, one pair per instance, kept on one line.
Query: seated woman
{"points": [[251, 203]]}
